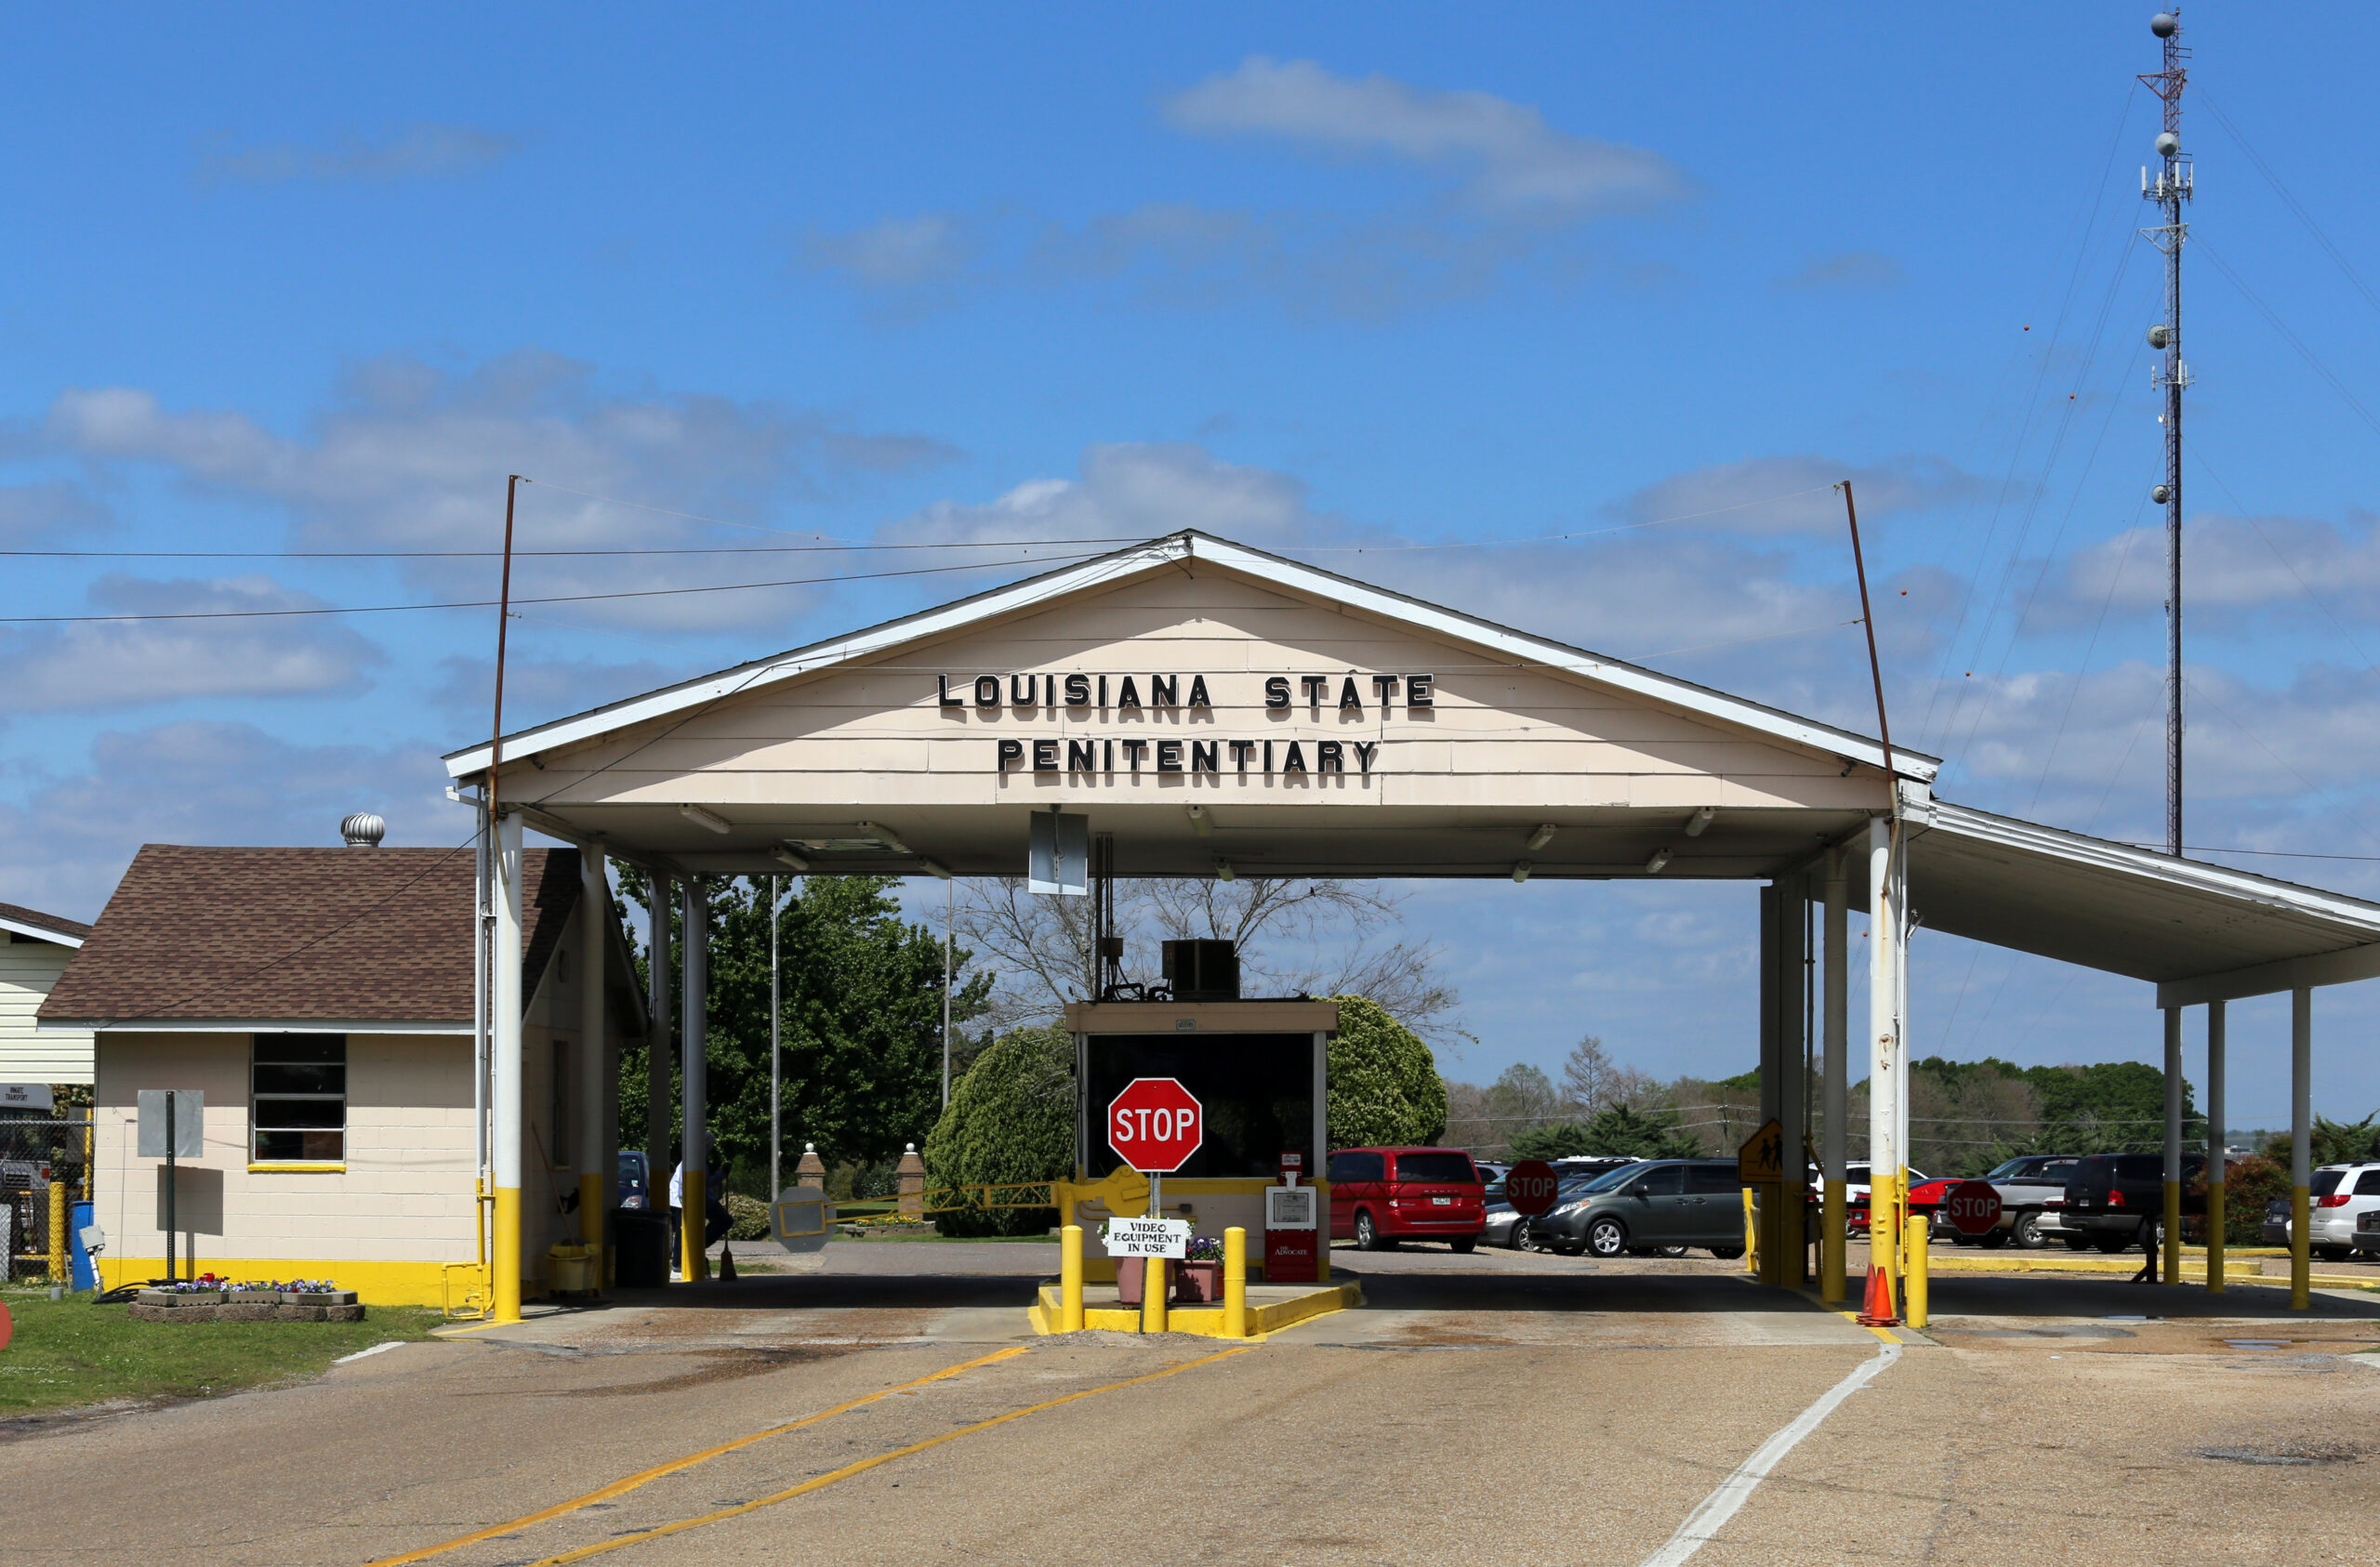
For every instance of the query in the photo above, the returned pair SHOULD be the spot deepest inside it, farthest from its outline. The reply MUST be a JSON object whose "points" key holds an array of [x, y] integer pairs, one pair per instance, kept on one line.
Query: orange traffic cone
{"points": [[1880, 1312], [726, 1261]]}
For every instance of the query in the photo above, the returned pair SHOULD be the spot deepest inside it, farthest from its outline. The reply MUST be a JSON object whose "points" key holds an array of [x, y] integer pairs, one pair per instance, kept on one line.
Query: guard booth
{"points": [[1259, 1068]]}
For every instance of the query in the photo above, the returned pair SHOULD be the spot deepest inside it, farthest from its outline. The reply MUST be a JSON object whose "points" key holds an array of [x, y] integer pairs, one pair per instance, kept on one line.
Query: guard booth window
{"points": [[297, 1098]]}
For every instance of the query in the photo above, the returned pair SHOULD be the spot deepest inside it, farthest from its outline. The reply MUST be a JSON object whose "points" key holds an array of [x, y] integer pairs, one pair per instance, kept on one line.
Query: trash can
{"points": [[641, 1239], [569, 1269], [86, 1272]]}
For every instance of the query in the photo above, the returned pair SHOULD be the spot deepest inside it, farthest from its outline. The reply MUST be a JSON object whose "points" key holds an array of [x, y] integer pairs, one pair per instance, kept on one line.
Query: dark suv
{"points": [[2117, 1201]]}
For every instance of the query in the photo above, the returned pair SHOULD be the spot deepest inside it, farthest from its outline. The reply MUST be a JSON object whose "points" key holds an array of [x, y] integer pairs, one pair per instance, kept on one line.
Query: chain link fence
{"points": [[37, 1151]]}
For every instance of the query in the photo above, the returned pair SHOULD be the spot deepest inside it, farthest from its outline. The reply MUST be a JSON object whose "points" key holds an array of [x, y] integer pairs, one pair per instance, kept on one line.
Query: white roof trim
{"points": [[254, 1025], [2194, 874], [1034, 591], [19, 928]]}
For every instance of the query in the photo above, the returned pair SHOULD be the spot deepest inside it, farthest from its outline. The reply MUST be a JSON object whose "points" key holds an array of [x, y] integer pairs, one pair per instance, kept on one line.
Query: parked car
{"points": [[1493, 1172], [1855, 1188], [2026, 1185], [1653, 1203], [636, 1182], [2367, 1235], [2338, 1197], [1518, 1230], [1592, 1164], [1379, 1196], [2117, 1201]]}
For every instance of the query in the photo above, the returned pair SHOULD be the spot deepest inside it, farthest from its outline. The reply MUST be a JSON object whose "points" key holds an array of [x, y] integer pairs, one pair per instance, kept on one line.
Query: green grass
{"points": [[70, 1353]]}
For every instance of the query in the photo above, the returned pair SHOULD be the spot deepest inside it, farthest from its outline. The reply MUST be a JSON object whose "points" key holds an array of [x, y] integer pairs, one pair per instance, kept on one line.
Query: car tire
{"points": [[1462, 1243], [2078, 1243], [2026, 1234], [2116, 1246], [1992, 1240], [2334, 1254], [1607, 1238], [1519, 1238], [1727, 1253], [1368, 1235]]}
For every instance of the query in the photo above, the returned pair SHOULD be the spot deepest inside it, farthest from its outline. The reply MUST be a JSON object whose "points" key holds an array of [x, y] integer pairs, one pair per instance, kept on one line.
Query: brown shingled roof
{"points": [[40, 921], [301, 935]]}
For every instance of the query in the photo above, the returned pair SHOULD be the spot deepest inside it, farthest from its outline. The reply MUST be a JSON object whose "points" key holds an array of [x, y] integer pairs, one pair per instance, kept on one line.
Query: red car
{"points": [[1379, 1196]]}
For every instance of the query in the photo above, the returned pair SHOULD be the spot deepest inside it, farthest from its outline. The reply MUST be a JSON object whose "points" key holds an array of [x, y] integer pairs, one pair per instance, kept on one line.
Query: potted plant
{"points": [[1199, 1277]]}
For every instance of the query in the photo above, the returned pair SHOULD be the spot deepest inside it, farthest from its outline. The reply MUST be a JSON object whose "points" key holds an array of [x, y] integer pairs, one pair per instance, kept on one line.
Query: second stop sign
{"points": [[1529, 1187], [1972, 1207], [1155, 1125]]}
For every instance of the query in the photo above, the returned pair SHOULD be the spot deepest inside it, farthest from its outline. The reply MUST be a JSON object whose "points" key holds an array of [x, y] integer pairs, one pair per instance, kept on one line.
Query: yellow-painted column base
{"points": [[2301, 1248], [2214, 1235], [59, 1273], [1831, 1239], [2172, 1270], [694, 1242], [505, 1259], [1921, 1227], [1752, 1234]]}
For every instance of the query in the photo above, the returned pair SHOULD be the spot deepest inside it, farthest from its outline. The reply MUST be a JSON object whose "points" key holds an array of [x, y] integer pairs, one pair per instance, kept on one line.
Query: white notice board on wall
{"points": [[1289, 1207]]}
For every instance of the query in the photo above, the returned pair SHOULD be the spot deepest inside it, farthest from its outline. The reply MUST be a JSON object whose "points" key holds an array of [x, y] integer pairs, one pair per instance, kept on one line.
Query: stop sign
{"points": [[1155, 1125], [1972, 1207], [1529, 1187]]}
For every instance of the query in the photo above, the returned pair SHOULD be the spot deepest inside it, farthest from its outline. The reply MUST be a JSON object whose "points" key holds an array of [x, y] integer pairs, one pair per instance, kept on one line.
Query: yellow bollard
{"points": [[1152, 1296], [1921, 1233], [59, 1273], [2214, 1238], [1751, 1235], [1235, 1283], [1830, 1238], [694, 1242], [1070, 1279], [2173, 1231]]}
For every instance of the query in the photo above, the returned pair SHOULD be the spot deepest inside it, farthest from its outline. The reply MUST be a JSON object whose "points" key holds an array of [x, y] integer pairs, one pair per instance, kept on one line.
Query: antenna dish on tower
{"points": [[2158, 337], [2168, 144], [2160, 495], [2164, 25]]}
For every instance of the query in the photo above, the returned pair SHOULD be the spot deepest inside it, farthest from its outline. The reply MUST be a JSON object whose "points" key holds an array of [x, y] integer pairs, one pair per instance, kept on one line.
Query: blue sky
{"points": [[1320, 278]]}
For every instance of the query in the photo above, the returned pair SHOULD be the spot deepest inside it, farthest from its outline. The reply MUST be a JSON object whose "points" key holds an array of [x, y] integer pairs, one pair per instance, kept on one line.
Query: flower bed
{"points": [[210, 1299]]}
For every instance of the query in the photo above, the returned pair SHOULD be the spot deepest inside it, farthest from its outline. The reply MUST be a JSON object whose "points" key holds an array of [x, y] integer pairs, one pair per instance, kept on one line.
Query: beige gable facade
{"points": [[29, 1053]]}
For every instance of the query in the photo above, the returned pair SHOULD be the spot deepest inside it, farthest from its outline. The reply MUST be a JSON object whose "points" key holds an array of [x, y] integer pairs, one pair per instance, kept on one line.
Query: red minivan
{"points": [[1379, 1196]]}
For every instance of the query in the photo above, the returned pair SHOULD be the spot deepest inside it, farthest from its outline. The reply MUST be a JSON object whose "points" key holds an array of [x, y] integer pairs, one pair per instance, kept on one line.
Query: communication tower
{"points": [[2169, 188]]}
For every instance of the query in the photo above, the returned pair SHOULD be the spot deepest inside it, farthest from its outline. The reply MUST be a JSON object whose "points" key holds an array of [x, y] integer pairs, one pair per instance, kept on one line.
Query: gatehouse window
{"points": [[298, 1099]]}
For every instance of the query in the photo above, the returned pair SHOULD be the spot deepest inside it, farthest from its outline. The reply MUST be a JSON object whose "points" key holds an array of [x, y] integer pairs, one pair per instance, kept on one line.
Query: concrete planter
{"points": [[1131, 1278], [181, 1299], [318, 1298], [1198, 1284], [142, 1314]]}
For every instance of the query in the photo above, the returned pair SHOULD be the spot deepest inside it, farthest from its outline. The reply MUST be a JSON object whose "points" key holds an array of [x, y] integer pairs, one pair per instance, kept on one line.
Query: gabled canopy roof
{"points": [[34, 925]]}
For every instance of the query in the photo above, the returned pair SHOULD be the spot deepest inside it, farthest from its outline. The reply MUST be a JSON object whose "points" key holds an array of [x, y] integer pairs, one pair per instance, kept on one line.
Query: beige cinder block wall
{"points": [[386, 1223]]}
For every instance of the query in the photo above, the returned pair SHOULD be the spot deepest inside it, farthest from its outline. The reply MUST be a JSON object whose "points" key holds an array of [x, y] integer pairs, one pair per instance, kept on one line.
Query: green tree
{"points": [[861, 1022], [1011, 1119], [1385, 1085], [1614, 1130], [2330, 1142]]}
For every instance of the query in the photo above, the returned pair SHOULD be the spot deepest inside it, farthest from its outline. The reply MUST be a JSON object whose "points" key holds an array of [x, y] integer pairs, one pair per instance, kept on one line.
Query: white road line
{"points": [[1704, 1522], [392, 1344]]}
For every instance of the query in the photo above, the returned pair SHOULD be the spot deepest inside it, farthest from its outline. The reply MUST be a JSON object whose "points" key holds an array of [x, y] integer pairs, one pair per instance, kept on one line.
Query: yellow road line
{"points": [[864, 1465], [642, 1477]]}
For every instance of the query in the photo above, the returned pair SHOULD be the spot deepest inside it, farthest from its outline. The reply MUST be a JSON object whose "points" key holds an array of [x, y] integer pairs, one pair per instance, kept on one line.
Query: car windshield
{"points": [[2327, 1181], [2011, 1170], [1606, 1181], [1436, 1167]]}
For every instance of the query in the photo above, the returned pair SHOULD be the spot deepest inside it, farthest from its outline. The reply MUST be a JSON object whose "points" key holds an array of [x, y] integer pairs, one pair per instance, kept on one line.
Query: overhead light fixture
{"points": [[1223, 871], [702, 817], [885, 836], [1201, 823], [1699, 820], [934, 867], [791, 861], [1543, 836], [1653, 866], [1520, 871]]}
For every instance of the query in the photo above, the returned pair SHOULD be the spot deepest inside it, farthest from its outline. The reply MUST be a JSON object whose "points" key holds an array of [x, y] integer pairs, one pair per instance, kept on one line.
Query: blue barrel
{"points": [[78, 1217]]}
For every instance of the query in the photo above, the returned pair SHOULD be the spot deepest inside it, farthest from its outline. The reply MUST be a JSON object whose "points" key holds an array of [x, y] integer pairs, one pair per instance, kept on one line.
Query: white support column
{"points": [[1836, 1100], [1318, 1163], [504, 1096], [1885, 1156], [695, 1087], [595, 1171], [657, 1035], [2301, 1154], [2172, 1206], [2217, 1176]]}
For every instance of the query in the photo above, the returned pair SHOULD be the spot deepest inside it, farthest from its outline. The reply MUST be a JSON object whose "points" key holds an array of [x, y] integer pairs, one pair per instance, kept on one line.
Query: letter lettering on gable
{"points": [[987, 690], [1168, 756], [1348, 701], [1365, 751], [1045, 755], [1165, 691], [1078, 691], [1082, 755], [1329, 757], [942, 688], [1127, 695], [1199, 697], [1206, 755], [1010, 750], [1021, 691], [1294, 762], [1276, 691]]}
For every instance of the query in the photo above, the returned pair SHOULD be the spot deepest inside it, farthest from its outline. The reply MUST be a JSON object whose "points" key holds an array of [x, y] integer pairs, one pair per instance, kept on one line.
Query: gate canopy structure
{"points": [[1223, 712]]}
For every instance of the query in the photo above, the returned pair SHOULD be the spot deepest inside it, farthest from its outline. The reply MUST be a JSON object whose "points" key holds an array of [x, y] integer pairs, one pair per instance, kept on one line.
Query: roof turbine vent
{"points": [[363, 830]]}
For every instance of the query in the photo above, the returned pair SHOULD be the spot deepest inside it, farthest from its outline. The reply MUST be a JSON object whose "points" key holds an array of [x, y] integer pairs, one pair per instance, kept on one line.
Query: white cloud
{"points": [[897, 252], [115, 663], [67, 844], [1131, 492], [2232, 564], [426, 150], [1510, 160], [410, 458], [1795, 494], [43, 513]]}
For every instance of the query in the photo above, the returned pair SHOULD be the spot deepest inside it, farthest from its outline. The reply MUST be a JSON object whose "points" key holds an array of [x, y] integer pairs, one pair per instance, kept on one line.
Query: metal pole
{"points": [[695, 1091], [659, 1029], [504, 1088], [173, 1219], [1884, 1086], [502, 624], [2173, 188], [776, 1056], [2217, 1176], [1838, 1075], [949, 903], [2301, 1154], [2172, 1212]]}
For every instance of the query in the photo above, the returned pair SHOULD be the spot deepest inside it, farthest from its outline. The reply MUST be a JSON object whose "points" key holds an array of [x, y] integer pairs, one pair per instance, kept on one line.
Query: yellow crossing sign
{"points": [[1761, 1161]]}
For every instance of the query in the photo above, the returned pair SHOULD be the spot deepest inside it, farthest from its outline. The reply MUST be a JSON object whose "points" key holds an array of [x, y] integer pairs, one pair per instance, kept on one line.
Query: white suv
{"points": [[2341, 1192]]}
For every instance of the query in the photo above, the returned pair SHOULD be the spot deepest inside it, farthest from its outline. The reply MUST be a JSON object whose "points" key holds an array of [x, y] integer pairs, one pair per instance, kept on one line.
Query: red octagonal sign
{"points": [[1530, 1187], [1972, 1207], [1155, 1125]]}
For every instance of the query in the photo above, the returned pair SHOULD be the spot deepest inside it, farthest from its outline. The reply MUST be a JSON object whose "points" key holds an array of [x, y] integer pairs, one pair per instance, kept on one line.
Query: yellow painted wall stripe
{"points": [[864, 1465], [643, 1476]]}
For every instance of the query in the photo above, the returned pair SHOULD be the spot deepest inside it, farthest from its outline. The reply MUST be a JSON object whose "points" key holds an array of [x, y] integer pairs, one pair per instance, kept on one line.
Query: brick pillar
{"points": [[910, 1182], [812, 1170]]}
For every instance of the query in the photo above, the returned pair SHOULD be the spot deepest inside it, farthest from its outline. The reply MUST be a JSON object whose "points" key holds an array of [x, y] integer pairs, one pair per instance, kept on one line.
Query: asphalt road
{"points": [[1489, 1409]]}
